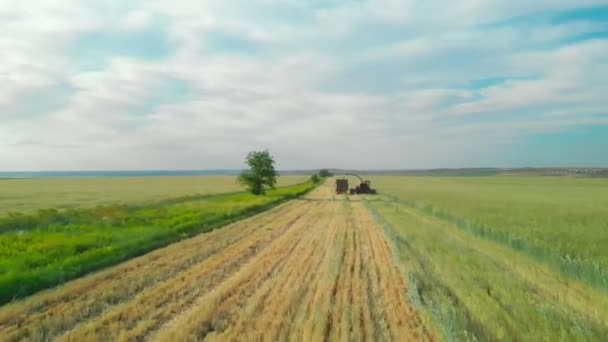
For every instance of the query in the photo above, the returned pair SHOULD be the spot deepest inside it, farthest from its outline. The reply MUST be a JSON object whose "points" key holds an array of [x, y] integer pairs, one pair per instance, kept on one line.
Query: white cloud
{"points": [[137, 20], [372, 84]]}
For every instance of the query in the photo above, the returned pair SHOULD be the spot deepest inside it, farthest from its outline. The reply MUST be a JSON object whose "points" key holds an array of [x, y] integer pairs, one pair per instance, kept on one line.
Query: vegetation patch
{"points": [[501, 258], [561, 222], [41, 250], [569, 265]]}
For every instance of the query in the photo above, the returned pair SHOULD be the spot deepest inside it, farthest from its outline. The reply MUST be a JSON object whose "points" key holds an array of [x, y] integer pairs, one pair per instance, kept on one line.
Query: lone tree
{"points": [[260, 174]]}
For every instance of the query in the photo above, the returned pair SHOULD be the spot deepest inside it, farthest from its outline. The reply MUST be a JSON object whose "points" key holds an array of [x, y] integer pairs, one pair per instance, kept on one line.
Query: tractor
{"points": [[363, 188]]}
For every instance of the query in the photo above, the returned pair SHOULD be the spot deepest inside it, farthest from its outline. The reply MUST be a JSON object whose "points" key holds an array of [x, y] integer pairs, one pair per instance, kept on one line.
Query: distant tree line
{"points": [[323, 173]]}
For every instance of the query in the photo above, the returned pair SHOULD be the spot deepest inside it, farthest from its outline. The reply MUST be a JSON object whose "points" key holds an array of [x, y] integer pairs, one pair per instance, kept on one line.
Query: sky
{"points": [[376, 84]]}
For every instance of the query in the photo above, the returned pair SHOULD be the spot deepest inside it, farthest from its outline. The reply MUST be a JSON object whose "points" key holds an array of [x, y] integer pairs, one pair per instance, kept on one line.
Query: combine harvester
{"points": [[365, 187]]}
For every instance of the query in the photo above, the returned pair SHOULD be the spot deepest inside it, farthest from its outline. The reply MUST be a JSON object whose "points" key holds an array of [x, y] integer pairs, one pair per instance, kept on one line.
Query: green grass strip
{"points": [[51, 247]]}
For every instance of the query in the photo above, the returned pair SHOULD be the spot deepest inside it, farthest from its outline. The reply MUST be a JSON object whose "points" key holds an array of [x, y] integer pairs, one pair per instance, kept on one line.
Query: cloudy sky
{"points": [[185, 84]]}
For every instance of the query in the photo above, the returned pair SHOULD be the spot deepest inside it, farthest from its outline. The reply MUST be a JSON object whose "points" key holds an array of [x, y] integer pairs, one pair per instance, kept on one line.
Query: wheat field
{"points": [[316, 268]]}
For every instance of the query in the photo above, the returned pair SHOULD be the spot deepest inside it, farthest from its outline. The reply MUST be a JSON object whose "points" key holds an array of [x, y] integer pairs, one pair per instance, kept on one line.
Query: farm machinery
{"points": [[341, 186], [365, 187]]}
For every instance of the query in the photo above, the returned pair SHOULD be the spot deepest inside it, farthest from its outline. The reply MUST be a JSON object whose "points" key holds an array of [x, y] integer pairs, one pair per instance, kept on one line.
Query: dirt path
{"points": [[313, 269]]}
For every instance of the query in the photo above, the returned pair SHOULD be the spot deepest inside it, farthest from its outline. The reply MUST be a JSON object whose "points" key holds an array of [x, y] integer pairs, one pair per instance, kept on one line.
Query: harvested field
{"points": [[313, 269]]}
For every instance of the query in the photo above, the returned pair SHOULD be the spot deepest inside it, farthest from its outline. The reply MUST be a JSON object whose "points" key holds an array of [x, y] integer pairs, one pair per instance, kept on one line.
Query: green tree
{"points": [[261, 172], [315, 179], [324, 173]]}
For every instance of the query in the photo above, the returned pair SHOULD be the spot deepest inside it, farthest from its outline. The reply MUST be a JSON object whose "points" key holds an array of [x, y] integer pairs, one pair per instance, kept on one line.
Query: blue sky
{"points": [[375, 84]]}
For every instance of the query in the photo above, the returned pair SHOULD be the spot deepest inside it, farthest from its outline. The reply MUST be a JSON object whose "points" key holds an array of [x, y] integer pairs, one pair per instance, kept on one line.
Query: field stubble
{"points": [[316, 268]]}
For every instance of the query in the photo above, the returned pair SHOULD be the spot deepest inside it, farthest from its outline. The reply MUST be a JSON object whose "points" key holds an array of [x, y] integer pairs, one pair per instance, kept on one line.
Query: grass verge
{"points": [[50, 247]]}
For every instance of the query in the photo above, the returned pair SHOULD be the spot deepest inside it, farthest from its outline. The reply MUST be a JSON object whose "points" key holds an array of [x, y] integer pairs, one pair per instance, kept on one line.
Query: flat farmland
{"points": [[29, 195], [315, 268], [51, 246], [429, 258], [502, 258]]}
